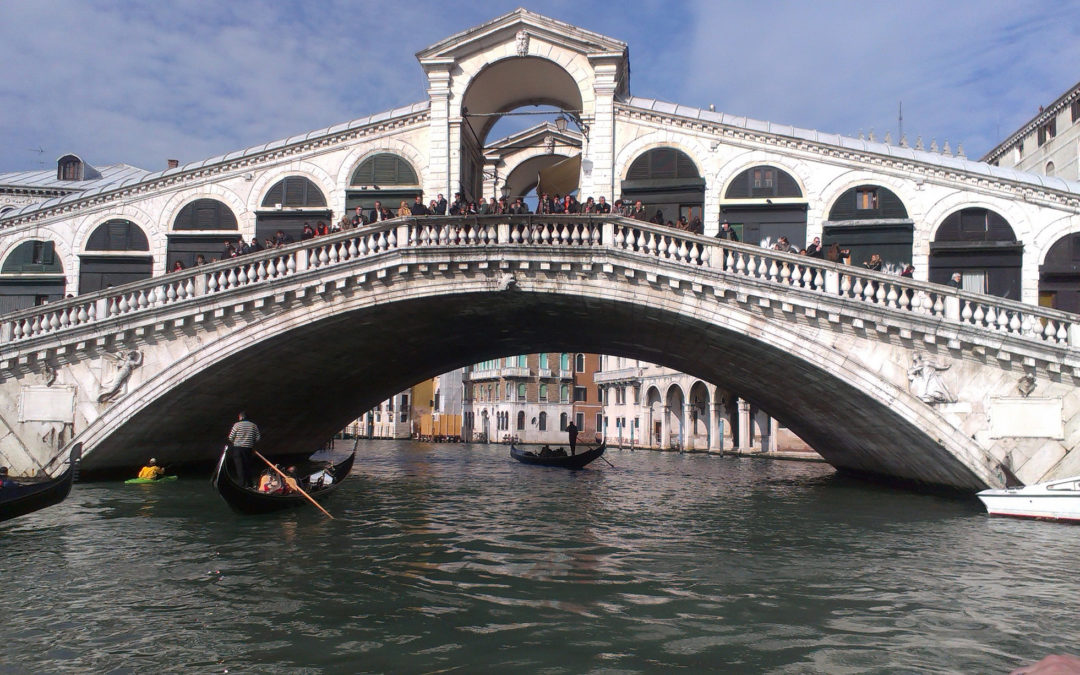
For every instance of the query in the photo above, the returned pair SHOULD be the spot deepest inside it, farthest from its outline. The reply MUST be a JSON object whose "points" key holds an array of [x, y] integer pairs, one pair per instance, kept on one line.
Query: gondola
{"points": [[248, 500], [18, 500], [576, 461]]}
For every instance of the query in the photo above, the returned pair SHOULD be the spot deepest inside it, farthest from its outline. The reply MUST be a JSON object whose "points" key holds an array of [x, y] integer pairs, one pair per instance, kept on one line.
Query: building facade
{"points": [[531, 398], [1049, 143]]}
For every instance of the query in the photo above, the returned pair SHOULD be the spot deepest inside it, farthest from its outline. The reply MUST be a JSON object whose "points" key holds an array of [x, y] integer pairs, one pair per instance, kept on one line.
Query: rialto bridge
{"points": [[881, 374]]}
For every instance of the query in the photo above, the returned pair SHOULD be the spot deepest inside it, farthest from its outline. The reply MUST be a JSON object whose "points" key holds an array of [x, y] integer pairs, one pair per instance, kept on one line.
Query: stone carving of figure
{"points": [[507, 282], [926, 382], [126, 363], [522, 40]]}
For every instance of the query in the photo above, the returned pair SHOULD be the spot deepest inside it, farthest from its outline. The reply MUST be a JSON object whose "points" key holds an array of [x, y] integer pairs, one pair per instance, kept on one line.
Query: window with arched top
{"points": [[294, 192], [579, 363], [205, 214], [542, 421], [32, 275], [521, 420], [117, 253], [1059, 275], [543, 393], [69, 167], [117, 235], [1049, 168], [761, 182], [383, 170], [980, 246], [662, 163], [33, 257]]}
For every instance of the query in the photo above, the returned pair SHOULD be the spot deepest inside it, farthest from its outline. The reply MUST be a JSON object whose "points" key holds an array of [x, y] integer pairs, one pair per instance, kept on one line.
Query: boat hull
{"points": [[20, 500], [1017, 504], [247, 501], [567, 462]]}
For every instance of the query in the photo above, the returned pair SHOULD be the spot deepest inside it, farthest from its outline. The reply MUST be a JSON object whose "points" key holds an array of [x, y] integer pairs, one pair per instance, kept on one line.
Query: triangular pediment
{"points": [[505, 28]]}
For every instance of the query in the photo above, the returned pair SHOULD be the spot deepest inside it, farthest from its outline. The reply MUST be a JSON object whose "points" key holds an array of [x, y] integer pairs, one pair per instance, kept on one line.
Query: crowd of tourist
{"points": [[546, 204]]}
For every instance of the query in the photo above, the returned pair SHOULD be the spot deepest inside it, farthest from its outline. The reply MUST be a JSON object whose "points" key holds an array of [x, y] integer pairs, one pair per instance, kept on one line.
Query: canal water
{"points": [[454, 558]]}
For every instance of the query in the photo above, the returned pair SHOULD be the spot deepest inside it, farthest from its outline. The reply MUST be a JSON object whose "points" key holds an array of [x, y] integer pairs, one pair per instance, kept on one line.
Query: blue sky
{"points": [[140, 82]]}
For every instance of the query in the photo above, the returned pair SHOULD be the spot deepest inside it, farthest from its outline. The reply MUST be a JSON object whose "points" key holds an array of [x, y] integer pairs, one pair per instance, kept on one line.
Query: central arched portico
{"points": [[519, 59]]}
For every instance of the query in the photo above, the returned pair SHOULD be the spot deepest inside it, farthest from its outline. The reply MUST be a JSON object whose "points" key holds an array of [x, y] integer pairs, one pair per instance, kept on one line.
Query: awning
{"points": [[561, 178]]}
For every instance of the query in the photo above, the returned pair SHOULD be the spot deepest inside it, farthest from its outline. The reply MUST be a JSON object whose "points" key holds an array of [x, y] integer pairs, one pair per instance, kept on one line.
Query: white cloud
{"points": [[142, 82]]}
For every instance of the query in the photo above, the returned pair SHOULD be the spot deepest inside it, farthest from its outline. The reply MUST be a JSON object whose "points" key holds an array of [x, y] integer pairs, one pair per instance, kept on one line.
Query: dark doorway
{"points": [[980, 245], [1059, 275]]}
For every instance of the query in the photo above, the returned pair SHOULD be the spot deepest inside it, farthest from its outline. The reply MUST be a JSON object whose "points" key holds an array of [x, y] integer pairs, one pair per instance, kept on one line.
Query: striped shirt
{"points": [[244, 434]]}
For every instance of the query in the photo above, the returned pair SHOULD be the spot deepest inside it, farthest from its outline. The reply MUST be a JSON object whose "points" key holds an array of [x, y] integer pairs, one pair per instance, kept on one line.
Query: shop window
{"points": [[866, 199]]}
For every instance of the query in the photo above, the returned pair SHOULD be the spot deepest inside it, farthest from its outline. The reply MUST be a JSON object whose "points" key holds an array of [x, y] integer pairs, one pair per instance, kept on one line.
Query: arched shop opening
{"points": [[666, 180], [117, 252], [499, 89], [288, 205], [980, 245], [1059, 275], [386, 178], [871, 219], [763, 204], [201, 228], [32, 275]]}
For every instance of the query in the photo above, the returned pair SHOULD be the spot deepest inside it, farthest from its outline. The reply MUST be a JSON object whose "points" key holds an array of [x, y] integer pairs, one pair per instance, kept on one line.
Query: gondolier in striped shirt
{"points": [[242, 439]]}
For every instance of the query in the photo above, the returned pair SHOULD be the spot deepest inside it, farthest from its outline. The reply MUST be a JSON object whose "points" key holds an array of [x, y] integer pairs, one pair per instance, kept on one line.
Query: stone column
{"points": [[716, 427], [744, 426], [763, 422], [598, 150], [665, 428], [441, 172], [774, 434], [688, 427]]}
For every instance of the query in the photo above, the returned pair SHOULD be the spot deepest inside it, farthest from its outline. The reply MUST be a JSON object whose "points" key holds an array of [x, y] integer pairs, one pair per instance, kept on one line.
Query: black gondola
{"points": [[565, 461], [20, 499], [248, 500]]}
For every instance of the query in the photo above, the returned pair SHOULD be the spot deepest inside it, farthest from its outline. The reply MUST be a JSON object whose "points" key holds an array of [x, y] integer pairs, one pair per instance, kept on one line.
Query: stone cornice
{"points": [[754, 138], [201, 174]]}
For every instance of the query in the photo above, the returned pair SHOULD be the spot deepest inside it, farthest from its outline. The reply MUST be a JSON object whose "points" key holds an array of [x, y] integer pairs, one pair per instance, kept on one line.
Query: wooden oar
{"points": [[291, 482]]}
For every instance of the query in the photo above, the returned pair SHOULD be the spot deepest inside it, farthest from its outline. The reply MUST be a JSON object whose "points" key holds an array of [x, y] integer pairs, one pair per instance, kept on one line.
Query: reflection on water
{"points": [[455, 558]]}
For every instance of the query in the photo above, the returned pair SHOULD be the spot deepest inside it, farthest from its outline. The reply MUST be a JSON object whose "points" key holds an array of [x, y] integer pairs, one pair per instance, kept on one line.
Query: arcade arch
{"points": [[667, 180], [503, 86], [201, 228], [32, 274], [763, 203], [384, 177], [982, 246], [1059, 275], [290, 203], [116, 252], [868, 219]]}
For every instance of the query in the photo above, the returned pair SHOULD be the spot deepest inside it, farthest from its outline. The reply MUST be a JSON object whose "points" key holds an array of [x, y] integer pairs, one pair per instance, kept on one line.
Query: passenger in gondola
{"points": [[320, 479], [269, 482], [151, 471], [286, 487], [546, 451], [4, 480]]}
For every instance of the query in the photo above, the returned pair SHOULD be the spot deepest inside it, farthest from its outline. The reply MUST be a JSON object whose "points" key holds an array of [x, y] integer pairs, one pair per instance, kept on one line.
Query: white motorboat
{"points": [[1052, 500]]}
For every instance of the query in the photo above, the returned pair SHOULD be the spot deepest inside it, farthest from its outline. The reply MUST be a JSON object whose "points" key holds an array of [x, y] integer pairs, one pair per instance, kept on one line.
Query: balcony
{"points": [[478, 375], [566, 374], [618, 375], [515, 371]]}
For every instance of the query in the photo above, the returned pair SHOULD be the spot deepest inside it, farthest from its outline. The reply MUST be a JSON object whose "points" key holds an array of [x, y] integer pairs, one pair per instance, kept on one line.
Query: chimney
{"points": [[173, 163]]}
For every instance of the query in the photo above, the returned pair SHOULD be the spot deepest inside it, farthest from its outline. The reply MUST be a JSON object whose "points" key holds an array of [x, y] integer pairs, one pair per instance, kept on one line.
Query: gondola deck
{"points": [[249, 501], [576, 461]]}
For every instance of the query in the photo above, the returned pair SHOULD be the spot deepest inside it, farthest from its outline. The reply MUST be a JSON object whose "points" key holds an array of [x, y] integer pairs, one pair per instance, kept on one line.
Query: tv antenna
{"points": [[900, 119], [41, 153]]}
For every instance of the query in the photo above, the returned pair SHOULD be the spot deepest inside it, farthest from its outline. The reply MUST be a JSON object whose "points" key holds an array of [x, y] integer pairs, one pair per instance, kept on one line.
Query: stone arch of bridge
{"points": [[332, 360]]}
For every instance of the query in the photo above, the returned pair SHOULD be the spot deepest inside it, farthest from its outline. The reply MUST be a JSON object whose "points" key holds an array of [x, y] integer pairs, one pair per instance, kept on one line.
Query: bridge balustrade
{"points": [[800, 274]]}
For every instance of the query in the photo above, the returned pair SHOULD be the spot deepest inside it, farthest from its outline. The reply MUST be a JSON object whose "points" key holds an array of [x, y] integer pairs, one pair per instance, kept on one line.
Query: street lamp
{"points": [[560, 122]]}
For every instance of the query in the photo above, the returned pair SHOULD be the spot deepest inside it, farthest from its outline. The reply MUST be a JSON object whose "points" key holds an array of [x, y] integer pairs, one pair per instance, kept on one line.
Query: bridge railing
{"points": [[764, 266]]}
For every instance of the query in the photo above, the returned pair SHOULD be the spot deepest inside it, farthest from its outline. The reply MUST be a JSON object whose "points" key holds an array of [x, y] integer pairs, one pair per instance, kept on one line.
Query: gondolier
{"points": [[571, 431], [242, 439]]}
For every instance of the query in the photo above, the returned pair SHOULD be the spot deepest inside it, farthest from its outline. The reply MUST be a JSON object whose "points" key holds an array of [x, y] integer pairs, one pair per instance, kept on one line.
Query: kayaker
{"points": [[151, 471]]}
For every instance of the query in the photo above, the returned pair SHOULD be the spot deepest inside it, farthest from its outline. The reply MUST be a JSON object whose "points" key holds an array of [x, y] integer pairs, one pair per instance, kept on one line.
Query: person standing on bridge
{"points": [[242, 439], [571, 431]]}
